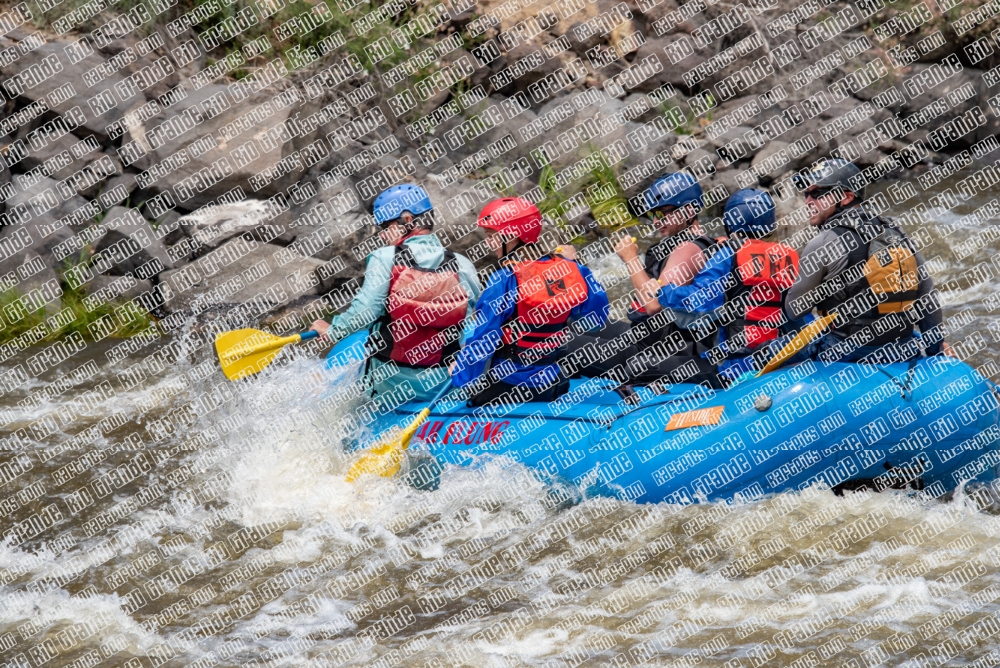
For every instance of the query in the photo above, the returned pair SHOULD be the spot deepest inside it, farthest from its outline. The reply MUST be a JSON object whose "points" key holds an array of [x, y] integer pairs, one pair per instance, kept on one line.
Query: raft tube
{"points": [[930, 426]]}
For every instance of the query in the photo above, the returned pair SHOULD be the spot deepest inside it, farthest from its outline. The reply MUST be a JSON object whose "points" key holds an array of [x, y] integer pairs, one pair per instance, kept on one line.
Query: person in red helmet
{"points": [[522, 317]]}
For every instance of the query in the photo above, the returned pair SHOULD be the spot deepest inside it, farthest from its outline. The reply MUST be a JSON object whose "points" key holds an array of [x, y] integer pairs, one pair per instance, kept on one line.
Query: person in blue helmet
{"points": [[753, 318], [678, 282], [415, 298]]}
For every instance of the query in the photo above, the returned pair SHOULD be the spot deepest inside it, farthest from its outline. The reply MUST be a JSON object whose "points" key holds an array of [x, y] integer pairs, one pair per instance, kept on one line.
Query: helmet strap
{"points": [[507, 253]]}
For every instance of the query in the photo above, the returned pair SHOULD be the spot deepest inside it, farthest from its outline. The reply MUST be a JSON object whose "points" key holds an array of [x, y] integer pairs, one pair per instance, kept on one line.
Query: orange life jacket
{"points": [[424, 311], [762, 273], [547, 291]]}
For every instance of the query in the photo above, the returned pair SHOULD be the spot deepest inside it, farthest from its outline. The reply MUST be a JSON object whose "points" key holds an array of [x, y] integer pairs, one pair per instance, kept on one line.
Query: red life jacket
{"points": [[762, 273], [547, 291], [424, 311]]}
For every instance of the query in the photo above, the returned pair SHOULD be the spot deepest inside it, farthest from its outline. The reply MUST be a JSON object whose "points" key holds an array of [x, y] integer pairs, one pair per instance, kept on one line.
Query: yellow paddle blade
{"points": [[801, 340], [244, 352], [385, 458]]}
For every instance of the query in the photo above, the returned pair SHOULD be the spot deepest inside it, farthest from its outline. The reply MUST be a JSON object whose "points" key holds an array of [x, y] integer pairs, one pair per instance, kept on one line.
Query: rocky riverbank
{"points": [[151, 163]]}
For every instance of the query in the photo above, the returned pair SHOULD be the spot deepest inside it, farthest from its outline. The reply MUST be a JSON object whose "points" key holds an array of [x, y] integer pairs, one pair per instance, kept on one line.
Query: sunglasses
{"points": [[818, 193], [386, 224], [660, 214]]}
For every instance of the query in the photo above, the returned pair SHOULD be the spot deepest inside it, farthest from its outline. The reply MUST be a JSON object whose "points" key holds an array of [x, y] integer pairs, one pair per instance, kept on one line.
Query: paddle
{"points": [[385, 458], [801, 340], [244, 352]]}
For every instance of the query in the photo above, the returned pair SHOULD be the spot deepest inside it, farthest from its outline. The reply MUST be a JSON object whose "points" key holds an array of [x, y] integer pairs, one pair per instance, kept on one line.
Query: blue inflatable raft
{"points": [[929, 426]]}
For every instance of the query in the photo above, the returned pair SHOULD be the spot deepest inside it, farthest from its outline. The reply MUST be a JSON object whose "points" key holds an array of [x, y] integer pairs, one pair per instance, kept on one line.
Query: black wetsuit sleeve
{"points": [[932, 312]]}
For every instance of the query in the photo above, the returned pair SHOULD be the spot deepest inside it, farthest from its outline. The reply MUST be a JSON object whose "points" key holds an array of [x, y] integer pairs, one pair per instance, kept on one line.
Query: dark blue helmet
{"points": [[675, 189], [391, 203], [749, 212], [830, 173]]}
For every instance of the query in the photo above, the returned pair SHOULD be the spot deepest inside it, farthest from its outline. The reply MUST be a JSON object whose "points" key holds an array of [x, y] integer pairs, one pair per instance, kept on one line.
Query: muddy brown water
{"points": [[155, 514]]}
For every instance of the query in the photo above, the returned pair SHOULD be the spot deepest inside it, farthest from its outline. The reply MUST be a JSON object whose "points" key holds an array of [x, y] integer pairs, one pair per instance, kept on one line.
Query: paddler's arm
{"points": [[931, 323], [818, 261], [469, 279], [706, 292], [683, 264], [495, 306], [594, 311], [369, 304], [645, 287]]}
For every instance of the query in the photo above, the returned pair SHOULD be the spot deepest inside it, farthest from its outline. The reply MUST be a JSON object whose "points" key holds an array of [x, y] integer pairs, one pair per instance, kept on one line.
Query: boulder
{"points": [[726, 178], [716, 140], [54, 90], [671, 73], [130, 246], [31, 277], [213, 226], [242, 138], [126, 181], [118, 288], [950, 92], [242, 272], [700, 156], [60, 155], [770, 162], [36, 235], [49, 204], [785, 208]]}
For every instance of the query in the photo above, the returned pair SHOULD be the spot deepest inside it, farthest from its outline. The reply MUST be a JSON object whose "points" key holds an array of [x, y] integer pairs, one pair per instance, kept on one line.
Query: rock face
{"points": [[71, 87], [29, 277], [223, 141], [131, 245], [242, 273], [164, 177], [212, 226]]}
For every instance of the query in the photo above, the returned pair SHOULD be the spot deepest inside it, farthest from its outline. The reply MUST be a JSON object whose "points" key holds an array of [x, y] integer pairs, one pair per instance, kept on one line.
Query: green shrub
{"points": [[72, 316]]}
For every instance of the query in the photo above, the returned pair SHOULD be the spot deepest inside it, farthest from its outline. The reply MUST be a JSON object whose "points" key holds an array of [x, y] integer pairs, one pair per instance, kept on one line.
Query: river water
{"points": [[177, 519]]}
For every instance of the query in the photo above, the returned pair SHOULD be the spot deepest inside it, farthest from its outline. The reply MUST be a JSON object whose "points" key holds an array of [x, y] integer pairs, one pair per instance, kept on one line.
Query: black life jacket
{"points": [[878, 288], [656, 260], [546, 294], [763, 271], [425, 309]]}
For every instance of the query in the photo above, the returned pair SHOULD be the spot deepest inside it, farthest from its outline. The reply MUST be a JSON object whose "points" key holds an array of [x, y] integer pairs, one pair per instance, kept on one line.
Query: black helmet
{"points": [[829, 173]]}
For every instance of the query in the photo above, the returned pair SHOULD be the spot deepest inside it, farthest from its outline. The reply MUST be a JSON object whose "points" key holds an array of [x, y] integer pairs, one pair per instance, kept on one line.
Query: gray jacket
{"points": [[826, 256]]}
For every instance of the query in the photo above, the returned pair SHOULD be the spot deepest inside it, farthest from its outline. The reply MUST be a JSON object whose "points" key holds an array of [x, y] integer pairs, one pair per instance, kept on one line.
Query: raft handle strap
{"points": [[905, 391]]}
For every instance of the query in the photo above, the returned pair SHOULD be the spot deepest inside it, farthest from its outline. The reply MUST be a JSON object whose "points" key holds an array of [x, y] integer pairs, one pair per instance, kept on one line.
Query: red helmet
{"points": [[512, 217]]}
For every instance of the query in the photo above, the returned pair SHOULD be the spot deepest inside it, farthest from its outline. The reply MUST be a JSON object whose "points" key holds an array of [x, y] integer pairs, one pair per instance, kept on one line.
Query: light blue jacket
{"points": [[369, 304]]}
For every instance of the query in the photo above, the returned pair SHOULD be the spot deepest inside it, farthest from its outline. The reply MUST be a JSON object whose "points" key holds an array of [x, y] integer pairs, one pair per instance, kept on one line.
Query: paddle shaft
{"points": [[385, 459], [422, 415], [801, 340], [236, 353]]}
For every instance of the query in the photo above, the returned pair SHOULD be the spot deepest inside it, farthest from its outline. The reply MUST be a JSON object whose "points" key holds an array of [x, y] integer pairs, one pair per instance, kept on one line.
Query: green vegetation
{"points": [[305, 34], [599, 189], [72, 316], [129, 319]]}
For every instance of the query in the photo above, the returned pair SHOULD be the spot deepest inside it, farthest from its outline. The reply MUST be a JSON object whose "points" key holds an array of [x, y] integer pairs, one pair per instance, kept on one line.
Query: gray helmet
{"points": [[832, 172]]}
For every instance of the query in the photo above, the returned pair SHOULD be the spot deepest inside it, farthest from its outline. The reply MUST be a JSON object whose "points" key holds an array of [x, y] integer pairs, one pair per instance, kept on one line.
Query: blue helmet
{"points": [[391, 203], [675, 189], [751, 212]]}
